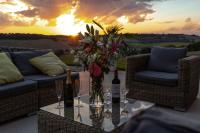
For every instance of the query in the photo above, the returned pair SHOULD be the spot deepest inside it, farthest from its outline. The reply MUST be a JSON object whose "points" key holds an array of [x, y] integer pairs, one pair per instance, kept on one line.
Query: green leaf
{"points": [[110, 39], [119, 39], [87, 39], [100, 26], [81, 35], [92, 30], [88, 28], [86, 34], [97, 34]]}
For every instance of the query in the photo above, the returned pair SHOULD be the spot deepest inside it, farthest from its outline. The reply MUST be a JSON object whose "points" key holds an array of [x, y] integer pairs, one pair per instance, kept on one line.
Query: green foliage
{"points": [[68, 59], [121, 63], [100, 26], [194, 46], [164, 44], [175, 46], [114, 29]]}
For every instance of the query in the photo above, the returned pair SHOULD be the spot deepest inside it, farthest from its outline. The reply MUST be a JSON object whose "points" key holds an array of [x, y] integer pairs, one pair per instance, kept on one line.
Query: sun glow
{"points": [[68, 24], [123, 20]]}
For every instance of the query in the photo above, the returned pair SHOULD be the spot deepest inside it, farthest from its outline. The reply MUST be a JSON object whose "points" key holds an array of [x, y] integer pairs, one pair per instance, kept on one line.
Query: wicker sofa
{"points": [[27, 96], [178, 95]]}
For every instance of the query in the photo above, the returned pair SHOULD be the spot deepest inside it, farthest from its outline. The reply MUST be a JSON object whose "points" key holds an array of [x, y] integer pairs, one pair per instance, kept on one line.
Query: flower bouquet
{"points": [[98, 53]]}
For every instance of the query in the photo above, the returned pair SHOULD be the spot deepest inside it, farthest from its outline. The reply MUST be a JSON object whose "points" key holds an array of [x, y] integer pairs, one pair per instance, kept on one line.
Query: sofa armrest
{"points": [[189, 74], [135, 63]]}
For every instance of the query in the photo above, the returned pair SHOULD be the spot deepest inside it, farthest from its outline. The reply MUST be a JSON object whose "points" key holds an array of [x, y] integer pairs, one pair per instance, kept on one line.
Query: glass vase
{"points": [[96, 92]]}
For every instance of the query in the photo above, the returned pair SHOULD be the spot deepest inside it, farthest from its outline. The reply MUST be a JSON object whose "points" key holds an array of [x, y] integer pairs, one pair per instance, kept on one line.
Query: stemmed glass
{"points": [[124, 111], [59, 91], [107, 96], [79, 117], [107, 101], [124, 93], [77, 88]]}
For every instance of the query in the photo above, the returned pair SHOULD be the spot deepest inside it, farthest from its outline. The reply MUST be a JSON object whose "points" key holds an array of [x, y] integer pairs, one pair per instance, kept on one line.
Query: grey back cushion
{"points": [[21, 60], [166, 59]]}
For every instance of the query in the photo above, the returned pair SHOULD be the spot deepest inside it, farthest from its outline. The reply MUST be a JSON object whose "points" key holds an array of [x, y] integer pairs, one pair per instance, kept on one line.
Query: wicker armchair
{"points": [[179, 97]]}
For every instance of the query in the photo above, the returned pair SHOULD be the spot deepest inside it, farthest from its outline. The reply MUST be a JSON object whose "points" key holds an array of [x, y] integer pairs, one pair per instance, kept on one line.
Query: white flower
{"points": [[76, 60], [72, 51], [107, 46], [95, 56], [100, 43]]}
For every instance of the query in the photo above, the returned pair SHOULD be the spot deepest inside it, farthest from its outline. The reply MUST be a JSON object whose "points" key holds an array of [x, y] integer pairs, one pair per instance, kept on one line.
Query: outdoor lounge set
{"points": [[166, 77], [28, 95]]}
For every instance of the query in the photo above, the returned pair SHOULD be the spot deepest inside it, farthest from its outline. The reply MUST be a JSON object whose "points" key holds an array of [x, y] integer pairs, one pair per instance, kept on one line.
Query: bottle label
{"points": [[116, 90]]}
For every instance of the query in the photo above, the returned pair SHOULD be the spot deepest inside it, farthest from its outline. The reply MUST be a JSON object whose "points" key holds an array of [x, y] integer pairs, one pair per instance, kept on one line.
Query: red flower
{"points": [[88, 49], [95, 70]]}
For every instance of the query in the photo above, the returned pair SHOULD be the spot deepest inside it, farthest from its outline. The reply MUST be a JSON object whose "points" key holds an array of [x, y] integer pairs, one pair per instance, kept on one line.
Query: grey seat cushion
{"points": [[160, 78], [166, 59], [21, 60], [43, 79], [17, 88]]}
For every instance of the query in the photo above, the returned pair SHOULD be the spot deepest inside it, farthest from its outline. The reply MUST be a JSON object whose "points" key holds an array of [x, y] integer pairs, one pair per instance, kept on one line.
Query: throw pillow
{"points": [[8, 71], [166, 59], [21, 60], [49, 64]]}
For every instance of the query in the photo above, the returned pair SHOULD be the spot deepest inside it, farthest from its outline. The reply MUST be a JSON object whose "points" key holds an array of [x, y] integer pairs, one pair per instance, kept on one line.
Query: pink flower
{"points": [[95, 70], [114, 49]]}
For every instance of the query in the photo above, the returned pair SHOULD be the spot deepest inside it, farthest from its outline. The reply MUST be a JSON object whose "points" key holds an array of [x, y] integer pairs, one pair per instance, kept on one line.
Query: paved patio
{"points": [[29, 124]]}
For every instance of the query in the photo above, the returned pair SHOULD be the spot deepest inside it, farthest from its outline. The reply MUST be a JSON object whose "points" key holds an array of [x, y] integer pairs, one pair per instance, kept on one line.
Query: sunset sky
{"points": [[68, 17]]}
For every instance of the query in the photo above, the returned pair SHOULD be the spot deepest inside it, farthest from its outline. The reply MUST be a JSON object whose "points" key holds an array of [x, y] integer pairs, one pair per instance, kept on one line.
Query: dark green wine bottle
{"points": [[68, 91], [116, 114], [115, 88]]}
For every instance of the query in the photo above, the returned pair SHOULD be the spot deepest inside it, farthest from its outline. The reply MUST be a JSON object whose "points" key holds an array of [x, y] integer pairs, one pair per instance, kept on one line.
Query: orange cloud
{"points": [[13, 13], [189, 27], [49, 9], [108, 11]]}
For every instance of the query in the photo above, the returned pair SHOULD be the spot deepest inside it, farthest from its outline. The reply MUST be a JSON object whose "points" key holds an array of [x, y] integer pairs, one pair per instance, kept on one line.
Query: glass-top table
{"points": [[109, 118]]}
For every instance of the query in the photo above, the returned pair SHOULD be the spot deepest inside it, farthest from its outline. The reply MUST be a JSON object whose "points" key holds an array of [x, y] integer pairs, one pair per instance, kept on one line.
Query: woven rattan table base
{"points": [[51, 123]]}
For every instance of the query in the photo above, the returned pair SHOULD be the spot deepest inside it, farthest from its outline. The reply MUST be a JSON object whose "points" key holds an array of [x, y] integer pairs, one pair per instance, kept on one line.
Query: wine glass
{"points": [[124, 111], [107, 95], [59, 91], [125, 92], [77, 88], [79, 117]]}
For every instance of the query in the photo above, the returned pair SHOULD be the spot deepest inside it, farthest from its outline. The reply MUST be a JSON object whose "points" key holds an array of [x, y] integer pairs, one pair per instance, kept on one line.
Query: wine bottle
{"points": [[68, 91], [115, 88], [116, 114]]}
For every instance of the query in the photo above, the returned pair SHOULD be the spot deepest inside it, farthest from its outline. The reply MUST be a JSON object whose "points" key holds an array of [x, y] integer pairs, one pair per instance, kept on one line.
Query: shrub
{"points": [[121, 64], [68, 59], [194, 46]]}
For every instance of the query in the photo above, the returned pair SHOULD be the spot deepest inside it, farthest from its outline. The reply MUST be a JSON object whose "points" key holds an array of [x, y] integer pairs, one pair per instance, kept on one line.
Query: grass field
{"points": [[69, 60]]}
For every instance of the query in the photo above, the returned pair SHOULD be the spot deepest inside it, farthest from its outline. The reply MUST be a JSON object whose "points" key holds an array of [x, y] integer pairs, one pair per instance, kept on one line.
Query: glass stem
{"points": [[78, 100], [59, 101], [125, 98]]}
